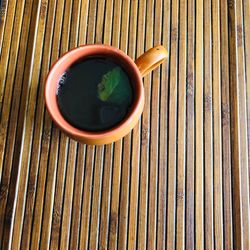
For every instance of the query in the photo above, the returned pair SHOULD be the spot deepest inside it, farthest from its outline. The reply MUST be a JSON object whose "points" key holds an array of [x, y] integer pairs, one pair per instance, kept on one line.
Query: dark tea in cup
{"points": [[94, 94]]}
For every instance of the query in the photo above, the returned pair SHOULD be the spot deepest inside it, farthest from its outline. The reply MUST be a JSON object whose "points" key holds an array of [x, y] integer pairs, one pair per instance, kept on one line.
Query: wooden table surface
{"points": [[179, 180]]}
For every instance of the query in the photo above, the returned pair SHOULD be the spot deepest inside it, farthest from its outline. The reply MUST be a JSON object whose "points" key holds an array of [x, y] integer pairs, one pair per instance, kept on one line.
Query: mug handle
{"points": [[151, 59]]}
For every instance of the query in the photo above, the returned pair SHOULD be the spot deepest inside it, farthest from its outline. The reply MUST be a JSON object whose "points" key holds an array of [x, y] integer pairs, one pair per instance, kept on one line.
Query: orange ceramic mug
{"points": [[136, 70]]}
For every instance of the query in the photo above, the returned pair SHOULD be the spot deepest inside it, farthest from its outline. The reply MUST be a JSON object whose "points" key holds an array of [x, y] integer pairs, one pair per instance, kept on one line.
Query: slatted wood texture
{"points": [[179, 180]]}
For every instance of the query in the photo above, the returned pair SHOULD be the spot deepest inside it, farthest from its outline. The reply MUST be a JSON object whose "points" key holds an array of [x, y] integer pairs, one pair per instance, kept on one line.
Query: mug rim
{"points": [[94, 137]]}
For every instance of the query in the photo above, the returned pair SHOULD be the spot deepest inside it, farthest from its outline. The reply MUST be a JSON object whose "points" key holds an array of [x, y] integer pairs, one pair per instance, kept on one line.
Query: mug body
{"points": [[64, 63]]}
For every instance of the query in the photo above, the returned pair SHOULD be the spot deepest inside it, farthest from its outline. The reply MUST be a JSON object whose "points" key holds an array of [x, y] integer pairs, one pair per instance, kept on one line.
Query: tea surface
{"points": [[94, 94]]}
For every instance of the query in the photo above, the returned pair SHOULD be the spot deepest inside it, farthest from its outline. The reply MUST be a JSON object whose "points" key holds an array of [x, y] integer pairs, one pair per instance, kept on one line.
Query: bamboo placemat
{"points": [[179, 180]]}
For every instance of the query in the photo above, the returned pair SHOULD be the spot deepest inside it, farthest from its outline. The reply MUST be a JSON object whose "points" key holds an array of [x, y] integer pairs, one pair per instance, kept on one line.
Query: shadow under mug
{"points": [[136, 70]]}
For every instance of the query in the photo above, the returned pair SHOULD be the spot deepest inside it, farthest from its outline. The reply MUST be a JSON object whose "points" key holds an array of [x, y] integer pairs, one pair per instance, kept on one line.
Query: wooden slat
{"points": [[105, 208], [125, 166], [217, 157], [181, 156], [243, 125], [246, 10], [199, 135], [226, 137], [208, 127], [190, 130], [172, 118], [87, 199], [95, 210], [68, 196], [134, 166], [117, 147], [57, 208], [77, 198], [235, 145], [163, 136], [143, 228], [154, 135]]}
